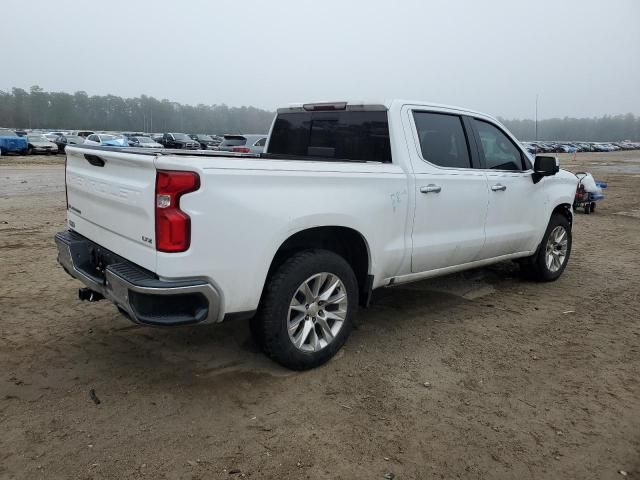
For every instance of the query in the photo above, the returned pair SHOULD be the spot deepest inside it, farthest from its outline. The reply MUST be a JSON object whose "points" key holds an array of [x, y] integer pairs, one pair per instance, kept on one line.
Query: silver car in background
{"points": [[144, 142], [39, 143], [245, 143]]}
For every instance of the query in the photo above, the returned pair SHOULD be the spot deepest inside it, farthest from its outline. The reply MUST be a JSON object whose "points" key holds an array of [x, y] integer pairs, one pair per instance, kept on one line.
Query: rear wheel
{"points": [[307, 309], [30, 151], [552, 256]]}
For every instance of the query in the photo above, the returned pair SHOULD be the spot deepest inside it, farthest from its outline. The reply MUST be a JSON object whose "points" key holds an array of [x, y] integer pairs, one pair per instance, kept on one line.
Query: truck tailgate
{"points": [[110, 197]]}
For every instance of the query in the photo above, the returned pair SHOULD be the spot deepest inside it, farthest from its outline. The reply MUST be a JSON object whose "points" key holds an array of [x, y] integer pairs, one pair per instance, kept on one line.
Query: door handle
{"points": [[431, 188], [498, 187]]}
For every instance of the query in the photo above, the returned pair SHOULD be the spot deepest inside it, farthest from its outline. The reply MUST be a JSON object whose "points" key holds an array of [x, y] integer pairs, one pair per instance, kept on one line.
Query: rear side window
{"points": [[261, 142], [499, 151], [343, 135], [442, 139], [233, 142]]}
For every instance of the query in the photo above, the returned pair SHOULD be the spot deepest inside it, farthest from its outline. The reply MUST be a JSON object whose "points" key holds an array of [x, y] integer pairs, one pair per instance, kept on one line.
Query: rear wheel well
{"points": [[343, 241]]}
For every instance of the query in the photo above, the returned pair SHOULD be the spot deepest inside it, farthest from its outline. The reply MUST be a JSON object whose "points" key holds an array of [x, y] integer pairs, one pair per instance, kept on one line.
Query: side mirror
{"points": [[544, 166]]}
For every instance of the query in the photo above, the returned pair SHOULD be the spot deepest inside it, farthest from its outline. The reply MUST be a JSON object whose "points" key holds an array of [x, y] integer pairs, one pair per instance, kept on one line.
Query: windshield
{"points": [[205, 138], [37, 138], [107, 137], [8, 133], [182, 137], [145, 139]]}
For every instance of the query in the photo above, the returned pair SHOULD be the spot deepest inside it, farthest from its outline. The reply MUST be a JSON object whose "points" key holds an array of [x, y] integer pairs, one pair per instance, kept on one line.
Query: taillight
{"points": [[241, 149], [173, 226]]}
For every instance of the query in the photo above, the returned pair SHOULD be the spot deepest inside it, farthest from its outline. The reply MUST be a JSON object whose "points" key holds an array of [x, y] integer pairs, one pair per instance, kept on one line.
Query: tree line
{"points": [[608, 128], [37, 108], [58, 110]]}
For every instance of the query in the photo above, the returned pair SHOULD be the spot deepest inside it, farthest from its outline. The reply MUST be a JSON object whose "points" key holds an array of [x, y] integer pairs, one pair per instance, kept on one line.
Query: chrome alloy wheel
{"points": [[317, 312], [556, 250]]}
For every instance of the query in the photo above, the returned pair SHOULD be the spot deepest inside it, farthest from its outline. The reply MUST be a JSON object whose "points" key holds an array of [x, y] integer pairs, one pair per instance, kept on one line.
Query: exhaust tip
{"points": [[88, 295]]}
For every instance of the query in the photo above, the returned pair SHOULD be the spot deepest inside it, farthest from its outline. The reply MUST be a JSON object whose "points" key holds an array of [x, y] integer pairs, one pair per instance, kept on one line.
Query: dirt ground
{"points": [[526, 380]]}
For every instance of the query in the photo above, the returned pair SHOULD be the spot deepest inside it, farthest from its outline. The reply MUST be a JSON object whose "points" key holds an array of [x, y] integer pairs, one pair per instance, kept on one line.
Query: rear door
{"points": [[110, 200], [451, 195], [516, 204]]}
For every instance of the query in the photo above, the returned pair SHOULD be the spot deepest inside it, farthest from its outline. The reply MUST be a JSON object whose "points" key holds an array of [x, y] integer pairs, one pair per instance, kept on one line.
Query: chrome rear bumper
{"points": [[145, 298]]}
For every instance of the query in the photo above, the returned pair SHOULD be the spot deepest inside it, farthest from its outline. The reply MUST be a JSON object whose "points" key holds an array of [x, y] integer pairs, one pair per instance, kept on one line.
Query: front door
{"points": [[515, 202]]}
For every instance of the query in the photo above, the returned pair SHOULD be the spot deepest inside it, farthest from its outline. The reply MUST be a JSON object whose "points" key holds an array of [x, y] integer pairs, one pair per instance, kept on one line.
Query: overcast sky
{"points": [[581, 56]]}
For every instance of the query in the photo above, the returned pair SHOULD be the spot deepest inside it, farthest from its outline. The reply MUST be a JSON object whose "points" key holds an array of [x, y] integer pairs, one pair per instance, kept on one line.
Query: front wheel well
{"points": [[565, 210], [344, 241]]}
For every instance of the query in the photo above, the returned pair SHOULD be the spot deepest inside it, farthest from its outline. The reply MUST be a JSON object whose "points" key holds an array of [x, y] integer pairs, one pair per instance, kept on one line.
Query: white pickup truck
{"points": [[347, 198]]}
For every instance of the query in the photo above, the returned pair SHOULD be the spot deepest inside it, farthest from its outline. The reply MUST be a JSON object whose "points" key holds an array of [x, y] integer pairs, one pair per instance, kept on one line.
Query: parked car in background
{"points": [[143, 142], [216, 138], [21, 133], [206, 142], [63, 140], [38, 143], [134, 134], [81, 133], [245, 143], [107, 140], [179, 140], [11, 142]]}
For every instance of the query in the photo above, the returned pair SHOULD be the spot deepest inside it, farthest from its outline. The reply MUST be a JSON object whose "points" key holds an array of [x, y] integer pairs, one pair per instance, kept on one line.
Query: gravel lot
{"points": [[524, 380]]}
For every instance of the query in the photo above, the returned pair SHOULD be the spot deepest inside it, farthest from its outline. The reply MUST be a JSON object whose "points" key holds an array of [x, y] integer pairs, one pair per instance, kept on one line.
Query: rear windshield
{"points": [[233, 142], [344, 135]]}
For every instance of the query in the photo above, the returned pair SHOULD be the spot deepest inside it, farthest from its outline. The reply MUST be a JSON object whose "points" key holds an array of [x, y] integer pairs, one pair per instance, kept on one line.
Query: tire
{"points": [[587, 208], [319, 328], [29, 151], [537, 266], [23, 152], [593, 207]]}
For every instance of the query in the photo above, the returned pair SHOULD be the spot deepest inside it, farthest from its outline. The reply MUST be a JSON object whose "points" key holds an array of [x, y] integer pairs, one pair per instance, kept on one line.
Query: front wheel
{"points": [[548, 263], [307, 309]]}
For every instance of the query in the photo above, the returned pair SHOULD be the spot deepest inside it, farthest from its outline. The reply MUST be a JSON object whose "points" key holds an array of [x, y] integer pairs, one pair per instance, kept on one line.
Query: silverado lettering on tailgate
{"points": [[102, 188]]}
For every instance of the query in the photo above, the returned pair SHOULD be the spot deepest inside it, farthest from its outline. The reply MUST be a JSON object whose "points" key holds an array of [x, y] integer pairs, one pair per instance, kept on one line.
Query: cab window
{"points": [[499, 151], [442, 139]]}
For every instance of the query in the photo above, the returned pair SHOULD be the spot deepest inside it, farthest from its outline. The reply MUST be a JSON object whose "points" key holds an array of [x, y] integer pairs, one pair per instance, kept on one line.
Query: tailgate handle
{"points": [[94, 160]]}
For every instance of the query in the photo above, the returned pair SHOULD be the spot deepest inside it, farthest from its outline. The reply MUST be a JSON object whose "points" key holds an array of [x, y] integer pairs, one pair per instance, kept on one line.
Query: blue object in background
{"points": [[12, 143]]}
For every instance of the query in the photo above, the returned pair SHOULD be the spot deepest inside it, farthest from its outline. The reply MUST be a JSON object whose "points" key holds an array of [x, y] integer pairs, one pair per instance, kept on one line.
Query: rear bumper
{"points": [[141, 294], [45, 149]]}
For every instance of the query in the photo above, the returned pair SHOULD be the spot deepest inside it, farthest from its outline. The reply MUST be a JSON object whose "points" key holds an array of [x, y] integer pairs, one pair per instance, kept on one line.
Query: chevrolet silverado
{"points": [[348, 197]]}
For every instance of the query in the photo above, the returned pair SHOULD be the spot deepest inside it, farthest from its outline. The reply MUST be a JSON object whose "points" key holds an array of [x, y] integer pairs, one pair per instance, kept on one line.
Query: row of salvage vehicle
{"points": [[572, 147], [52, 142]]}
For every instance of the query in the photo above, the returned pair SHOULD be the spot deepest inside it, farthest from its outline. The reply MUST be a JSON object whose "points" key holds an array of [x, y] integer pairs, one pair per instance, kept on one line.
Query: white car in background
{"points": [[144, 142], [245, 143], [106, 140]]}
